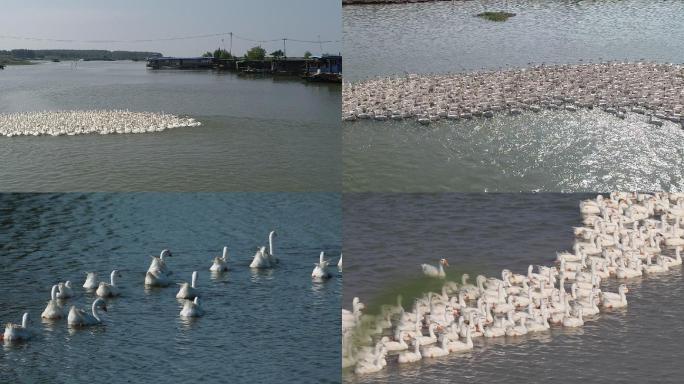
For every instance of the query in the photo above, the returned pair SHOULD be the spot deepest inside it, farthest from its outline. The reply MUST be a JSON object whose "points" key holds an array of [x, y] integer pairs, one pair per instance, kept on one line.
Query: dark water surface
{"points": [[445, 36], [257, 134], [388, 236], [270, 326]]}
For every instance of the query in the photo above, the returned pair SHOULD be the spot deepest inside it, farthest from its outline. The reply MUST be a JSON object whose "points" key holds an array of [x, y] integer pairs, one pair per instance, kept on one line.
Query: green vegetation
{"points": [[10, 60], [22, 56], [307, 55], [278, 54], [496, 16], [218, 53], [255, 53]]}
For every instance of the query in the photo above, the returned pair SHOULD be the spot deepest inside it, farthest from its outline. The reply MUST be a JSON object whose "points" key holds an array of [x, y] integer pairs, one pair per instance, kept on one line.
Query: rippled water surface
{"points": [[550, 151], [445, 36], [271, 326], [388, 236], [258, 134]]}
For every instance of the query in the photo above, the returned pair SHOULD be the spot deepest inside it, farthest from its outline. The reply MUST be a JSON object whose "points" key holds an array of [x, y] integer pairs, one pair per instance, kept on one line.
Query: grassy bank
{"points": [[8, 60]]}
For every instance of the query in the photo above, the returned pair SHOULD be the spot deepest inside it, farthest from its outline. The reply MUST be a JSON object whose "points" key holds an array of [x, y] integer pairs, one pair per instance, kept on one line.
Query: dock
{"points": [[325, 68]]}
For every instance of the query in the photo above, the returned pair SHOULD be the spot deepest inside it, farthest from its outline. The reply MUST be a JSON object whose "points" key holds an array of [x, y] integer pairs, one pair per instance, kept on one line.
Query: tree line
{"points": [[75, 54], [254, 53]]}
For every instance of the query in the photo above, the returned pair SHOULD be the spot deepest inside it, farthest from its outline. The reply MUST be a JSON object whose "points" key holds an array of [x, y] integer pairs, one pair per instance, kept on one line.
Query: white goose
{"points": [[65, 290], [91, 281], [80, 318], [188, 291], [158, 264], [437, 351], [16, 332], [430, 339], [192, 308], [53, 310], [432, 271], [673, 261], [615, 300], [573, 322], [372, 363], [320, 271], [157, 279], [111, 289], [393, 346], [459, 346], [411, 356], [263, 259], [220, 264]]}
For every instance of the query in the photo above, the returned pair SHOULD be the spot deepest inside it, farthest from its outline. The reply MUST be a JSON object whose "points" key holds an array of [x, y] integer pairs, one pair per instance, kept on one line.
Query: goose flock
{"points": [[624, 236], [616, 87], [158, 275], [103, 122]]}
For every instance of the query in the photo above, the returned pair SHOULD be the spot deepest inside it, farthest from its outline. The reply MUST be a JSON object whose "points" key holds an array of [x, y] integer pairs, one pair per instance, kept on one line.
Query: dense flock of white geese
{"points": [[623, 237], [158, 275], [103, 122], [616, 87]]}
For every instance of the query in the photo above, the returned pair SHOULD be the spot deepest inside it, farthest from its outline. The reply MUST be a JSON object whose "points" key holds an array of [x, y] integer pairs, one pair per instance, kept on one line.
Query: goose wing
{"points": [[429, 270]]}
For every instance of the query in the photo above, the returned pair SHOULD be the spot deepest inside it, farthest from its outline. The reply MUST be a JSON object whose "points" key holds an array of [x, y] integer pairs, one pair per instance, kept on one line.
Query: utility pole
{"points": [[320, 46], [231, 44], [284, 50]]}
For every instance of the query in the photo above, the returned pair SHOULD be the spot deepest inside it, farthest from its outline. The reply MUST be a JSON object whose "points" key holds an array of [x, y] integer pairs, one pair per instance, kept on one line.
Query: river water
{"points": [[388, 236], [257, 134], [584, 151], [269, 326]]}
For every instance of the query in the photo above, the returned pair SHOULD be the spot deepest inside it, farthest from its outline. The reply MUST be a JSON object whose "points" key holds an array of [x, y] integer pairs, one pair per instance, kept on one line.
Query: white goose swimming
{"points": [[437, 351], [80, 318], [53, 310], [372, 363], [157, 279], [192, 308], [615, 300], [411, 356], [188, 291], [111, 289], [573, 322], [158, 264], [91, 281], [393, 346], [16, 332], [263, 259], [65, 290], [220, 264], [320, 271], [432, 271], [158, 274], [459, 346], [625, 236]]}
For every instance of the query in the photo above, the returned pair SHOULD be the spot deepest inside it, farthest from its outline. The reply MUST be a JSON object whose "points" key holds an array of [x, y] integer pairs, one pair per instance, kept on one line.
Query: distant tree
{"points": [[222, 54], [307, 54], [207, 54], [255, 53], [277, 54]]}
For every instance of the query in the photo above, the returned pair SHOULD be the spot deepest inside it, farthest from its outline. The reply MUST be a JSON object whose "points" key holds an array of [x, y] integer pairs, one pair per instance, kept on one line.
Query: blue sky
{"points": [[125, 20]]}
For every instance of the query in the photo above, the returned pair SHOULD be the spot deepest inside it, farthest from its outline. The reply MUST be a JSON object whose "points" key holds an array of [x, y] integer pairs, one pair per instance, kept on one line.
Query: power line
{"points": [[188, 37]]}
